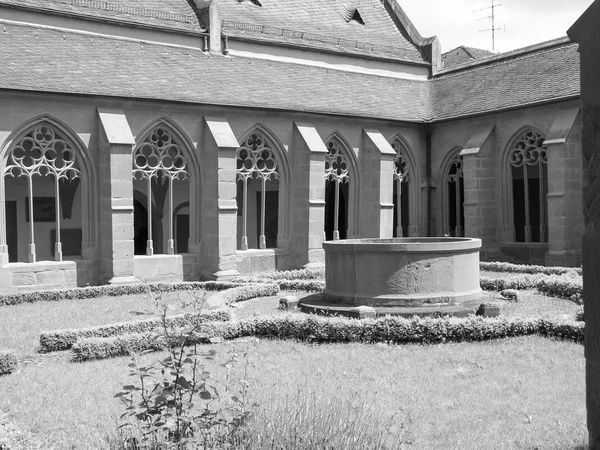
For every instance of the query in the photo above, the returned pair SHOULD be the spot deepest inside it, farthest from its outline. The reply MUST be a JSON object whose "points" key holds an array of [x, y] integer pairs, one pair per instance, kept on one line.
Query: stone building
{"points": [[191, 139]]}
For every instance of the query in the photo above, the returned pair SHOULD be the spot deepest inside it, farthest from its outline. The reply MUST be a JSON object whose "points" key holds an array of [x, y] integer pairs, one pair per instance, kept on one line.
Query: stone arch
{"points": [[284, 172], [355, 182], [506, 184], [445, 167], [194, 169], [88, 186], [398, 142]]}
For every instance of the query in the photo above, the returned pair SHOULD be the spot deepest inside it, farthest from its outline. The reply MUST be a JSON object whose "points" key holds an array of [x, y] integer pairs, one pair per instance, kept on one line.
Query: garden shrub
{"points": [[111, 291], [526, 268], [512, 281], [53, 341], [8, 362], [580, 314], [178, 403], [300, 274], [243, 292], [565, 286], [388, 329]]}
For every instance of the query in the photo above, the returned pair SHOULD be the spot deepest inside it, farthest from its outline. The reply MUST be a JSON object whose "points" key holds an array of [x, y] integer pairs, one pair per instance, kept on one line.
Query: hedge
{"points": [[525, 268], [300, 274], [8, 362], [54, 341], [388, 329], [243, 292], [513, 281], [111, 291], [564, 286]]}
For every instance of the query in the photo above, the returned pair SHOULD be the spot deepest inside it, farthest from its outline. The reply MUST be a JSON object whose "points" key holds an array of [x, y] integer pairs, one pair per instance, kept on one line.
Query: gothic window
{"points": [[455, 190], [45, 159], [336, 192], [258, 193], [528, 166], [161, 164], [401, 193]]}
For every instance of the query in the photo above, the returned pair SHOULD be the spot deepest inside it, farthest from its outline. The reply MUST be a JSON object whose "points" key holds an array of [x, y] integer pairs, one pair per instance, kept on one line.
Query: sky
{"points": [[522, 22]]}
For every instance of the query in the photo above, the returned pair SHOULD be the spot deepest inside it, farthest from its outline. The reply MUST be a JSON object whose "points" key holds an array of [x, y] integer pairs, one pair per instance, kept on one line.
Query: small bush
{"points": [[111, 291], [53, 341], [525, 268], [8, 362]]}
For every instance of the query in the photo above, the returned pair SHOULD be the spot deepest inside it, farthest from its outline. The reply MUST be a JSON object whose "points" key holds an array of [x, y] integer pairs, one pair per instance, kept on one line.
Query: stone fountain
{"points": [[400, 276]]}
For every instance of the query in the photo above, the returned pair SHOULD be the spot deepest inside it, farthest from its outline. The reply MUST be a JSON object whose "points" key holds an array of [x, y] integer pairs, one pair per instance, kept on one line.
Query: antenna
{"points": [[491, 16]]}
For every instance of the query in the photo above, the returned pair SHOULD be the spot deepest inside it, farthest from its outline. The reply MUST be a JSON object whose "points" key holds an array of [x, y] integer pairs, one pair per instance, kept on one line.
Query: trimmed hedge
{"points": [[287, 284], [54, 341], [525, 268], [388, 329], [8, 362], [513, 281], [243, 292], [300, 274], [111, 291], [564, 286]]}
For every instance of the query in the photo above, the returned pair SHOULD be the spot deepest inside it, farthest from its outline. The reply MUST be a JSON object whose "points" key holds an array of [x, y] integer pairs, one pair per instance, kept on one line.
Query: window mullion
{"points": [[527, 212], [149, 243], [31, 225], [170, 241], [262, 240], [245, 214], [57, 244], [399, 207], [336, 211]]}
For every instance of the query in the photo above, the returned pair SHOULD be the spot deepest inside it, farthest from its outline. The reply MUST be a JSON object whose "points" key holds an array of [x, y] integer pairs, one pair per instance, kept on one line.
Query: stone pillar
{"points": [[308, 196], [587, 33], [116, 198], [218, 254], [479, 206], [377, 161], [479, 183], [565, 219]]}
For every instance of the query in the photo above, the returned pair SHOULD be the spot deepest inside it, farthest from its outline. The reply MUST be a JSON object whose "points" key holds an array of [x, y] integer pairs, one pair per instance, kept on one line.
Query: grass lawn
{"points": [[518, 393]]}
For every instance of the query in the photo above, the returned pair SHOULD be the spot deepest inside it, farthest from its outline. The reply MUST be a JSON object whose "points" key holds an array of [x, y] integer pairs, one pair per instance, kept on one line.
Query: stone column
{"points": [[377, 161], [116, 198], [587, 33], [480, 196], [218, 254], [565, 219], [308, 196]]}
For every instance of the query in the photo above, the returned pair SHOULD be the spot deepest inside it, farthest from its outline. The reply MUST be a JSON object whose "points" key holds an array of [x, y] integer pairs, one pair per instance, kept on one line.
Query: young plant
{"points": [[178, 402]]}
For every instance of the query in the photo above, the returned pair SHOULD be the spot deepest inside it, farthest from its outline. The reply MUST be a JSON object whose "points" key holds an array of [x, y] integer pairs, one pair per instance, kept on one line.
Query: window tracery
{"points": [[161, 159], [255, 160], [528, 160], [401, 182], [455, 184], [43, 152], [336, 171]]}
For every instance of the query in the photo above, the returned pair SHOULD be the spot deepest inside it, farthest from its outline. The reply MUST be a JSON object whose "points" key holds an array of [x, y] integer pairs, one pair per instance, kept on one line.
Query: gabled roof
{"points": [[463, 54], [322, 24], [176, 15], [38, 58], [532, 75]]}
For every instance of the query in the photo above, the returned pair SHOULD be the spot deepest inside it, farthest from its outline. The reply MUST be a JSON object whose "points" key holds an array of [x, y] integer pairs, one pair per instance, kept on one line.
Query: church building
{"points": [[172, 140]]}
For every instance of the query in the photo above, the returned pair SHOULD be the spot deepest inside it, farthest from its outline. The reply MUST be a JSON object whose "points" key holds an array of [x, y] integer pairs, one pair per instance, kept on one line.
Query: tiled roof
{"points": [[319, 24], [54, 60], [463, 54], [170, 14], [544, 73]]}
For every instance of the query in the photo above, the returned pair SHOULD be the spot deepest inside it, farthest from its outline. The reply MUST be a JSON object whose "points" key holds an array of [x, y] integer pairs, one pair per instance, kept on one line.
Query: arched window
{"points": [[45, 159], [159, 163], [455, 192], [258, 193], [529, 177], [337, 182], [402, 177]]}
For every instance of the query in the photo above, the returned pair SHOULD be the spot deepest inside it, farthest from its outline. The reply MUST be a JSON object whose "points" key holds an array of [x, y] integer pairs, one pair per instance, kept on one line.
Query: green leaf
{"points": [[205, 395]]}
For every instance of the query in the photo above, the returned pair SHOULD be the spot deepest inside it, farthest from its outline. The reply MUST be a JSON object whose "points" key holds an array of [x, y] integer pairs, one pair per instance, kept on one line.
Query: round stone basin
{"points": [[402, 272]]}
